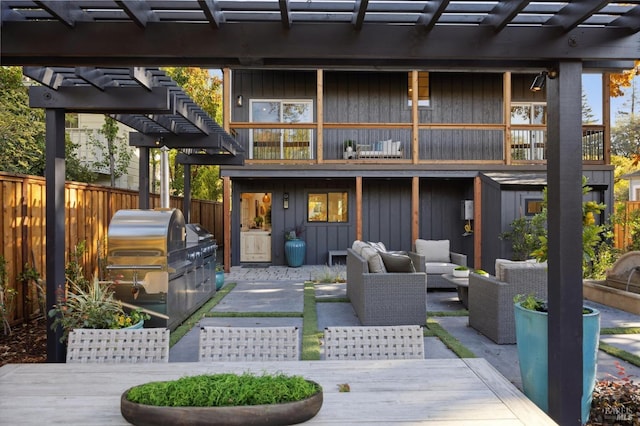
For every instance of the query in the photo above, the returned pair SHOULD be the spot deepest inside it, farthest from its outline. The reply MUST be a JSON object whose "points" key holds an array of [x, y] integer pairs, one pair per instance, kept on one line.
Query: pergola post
{"points": [[143, 178], [186, 199], [55, 218], [564, 169]]}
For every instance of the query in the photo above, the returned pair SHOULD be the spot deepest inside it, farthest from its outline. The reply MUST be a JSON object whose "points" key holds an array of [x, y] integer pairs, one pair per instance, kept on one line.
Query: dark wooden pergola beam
{"points": [[139, 12], [67, 12], [87, 99], [431, 13], [574, 13], [211, 10], [503, 13], [118, 44]]}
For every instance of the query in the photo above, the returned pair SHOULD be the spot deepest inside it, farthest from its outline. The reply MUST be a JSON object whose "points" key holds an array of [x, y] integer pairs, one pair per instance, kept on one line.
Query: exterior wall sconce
{"points": [[239, 100], [541, 79], [285, 200]]}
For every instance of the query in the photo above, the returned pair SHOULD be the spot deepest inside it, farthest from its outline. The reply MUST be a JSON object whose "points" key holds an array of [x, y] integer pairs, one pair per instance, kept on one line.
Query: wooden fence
{"points": [[622, 232], [88, 211]]}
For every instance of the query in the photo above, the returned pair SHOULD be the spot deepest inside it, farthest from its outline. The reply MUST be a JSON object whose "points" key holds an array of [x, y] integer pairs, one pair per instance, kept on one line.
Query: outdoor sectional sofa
{"points": [[387, 298]]}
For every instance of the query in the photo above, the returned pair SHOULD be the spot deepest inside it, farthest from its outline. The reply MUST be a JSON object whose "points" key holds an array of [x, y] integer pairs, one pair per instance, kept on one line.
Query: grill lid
{"points": [[197, 234]]}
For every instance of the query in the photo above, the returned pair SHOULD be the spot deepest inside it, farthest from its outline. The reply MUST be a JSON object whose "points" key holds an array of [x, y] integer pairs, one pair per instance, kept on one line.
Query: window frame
{"points": [[325, 214]]}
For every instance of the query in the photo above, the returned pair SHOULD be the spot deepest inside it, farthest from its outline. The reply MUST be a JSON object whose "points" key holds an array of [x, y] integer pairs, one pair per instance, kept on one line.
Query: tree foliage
{"points": [[623, 79], [623, 165], [113, 152], [206, 91], [23, 130], [625, 137]]}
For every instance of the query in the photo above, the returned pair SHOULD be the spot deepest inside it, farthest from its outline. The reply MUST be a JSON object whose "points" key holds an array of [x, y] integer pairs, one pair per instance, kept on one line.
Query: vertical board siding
{"points": [[88, 211], [492, 206], [386, 208], [440, 211]]}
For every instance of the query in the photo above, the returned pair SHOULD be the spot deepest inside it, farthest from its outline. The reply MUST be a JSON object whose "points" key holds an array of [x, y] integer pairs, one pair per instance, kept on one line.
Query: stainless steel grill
{"points": [[160, 264]]}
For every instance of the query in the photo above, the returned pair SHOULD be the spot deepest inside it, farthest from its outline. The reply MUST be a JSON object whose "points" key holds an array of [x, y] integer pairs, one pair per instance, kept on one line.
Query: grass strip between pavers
{"points": [[332, 300], [620, 330], [310, 334], [620, 353], [458, 313], [188, 324], [449, 341], [253, 314]]}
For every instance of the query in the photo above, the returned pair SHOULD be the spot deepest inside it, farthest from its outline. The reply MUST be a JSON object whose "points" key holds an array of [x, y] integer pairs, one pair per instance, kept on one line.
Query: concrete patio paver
{"points": [[280, 289]]}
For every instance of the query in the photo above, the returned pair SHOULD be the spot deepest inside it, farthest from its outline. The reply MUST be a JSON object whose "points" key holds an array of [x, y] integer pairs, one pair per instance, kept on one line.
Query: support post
{"points": [[55, 232], [564, 169], [186, 200]]}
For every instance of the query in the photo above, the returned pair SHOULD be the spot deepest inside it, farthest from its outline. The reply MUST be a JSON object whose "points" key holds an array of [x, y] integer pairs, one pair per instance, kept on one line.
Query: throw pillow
{"points": [[374, 260], [397, 262], [378, 246], [358, 245], [434, 250]]}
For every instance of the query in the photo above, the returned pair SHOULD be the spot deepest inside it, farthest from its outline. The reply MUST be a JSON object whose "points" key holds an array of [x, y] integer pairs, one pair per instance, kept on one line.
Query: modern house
{"points": [[391, 156]]}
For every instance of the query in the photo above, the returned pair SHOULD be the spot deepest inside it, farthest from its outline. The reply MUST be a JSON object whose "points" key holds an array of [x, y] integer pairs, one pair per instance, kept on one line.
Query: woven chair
{"points": [[384, 342], [118, 346], [249, 344], [491, 299]]}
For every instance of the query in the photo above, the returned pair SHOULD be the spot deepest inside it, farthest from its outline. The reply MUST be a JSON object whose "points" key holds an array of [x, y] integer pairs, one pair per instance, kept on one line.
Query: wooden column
{"points": [[358, 207], [477, 223], [506, 94], [143, 178], [320, 116], [564, 171], [226, 221], [415, 117], [415, 209], [186, 199]]}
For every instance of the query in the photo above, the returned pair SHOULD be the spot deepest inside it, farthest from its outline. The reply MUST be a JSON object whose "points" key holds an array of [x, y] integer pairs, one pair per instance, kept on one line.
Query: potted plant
{"points": [[223, 399], [531, 319], [92, 306], [461, 272], [258, 220], [219, 276], [295, 247], [481, 272], [349, 145]]}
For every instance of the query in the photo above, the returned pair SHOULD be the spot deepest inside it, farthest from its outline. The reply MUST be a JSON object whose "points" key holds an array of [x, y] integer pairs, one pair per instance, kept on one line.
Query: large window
{"points": [[423, 89], [281, 144], [327, 207]]}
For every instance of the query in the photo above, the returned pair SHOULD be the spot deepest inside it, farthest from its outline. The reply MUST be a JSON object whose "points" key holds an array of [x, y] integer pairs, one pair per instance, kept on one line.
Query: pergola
{"points": [[568, 38]]}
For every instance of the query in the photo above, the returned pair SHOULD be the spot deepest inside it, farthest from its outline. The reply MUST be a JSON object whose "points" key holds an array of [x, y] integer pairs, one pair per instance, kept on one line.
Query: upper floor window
{"points": [[276, 143], [423, 89]]}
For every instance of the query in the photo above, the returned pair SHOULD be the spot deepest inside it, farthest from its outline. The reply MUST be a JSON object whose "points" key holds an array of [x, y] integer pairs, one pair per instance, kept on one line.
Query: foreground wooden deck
{"points": [[400, 392]]}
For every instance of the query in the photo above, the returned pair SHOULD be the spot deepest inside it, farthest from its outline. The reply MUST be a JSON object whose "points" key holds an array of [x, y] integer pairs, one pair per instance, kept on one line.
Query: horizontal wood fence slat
{"points": [[88, 211]]}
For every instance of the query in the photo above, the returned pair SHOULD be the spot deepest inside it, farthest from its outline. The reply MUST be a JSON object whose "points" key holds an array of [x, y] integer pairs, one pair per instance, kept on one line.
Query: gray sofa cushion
{"points": [[394, 262], [434, 250], [372, 256]]}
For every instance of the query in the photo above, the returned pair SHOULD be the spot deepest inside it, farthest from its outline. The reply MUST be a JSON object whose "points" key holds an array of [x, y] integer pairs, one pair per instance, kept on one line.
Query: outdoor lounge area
{"points": [[480, 386]]}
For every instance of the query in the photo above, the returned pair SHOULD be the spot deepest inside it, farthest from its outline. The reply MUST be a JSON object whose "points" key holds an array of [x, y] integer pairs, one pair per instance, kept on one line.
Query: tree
{"points": [[623, 165], [116, 155], [587, 112], [623, 79], [23, 130], [625, 137], [206, 90]]}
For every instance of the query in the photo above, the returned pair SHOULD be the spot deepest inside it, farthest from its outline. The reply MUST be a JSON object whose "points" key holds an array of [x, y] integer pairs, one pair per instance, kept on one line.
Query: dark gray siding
{"points": [[491, 226], [386, 212], [440, 212]]}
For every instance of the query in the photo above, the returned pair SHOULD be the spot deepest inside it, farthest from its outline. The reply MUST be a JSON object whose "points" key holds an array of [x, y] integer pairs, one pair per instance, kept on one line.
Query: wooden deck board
{"points": [[430, 392]]}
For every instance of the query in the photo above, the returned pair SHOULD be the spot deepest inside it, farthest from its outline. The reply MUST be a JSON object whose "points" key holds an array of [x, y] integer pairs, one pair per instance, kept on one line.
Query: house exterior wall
{"points": [[460, 142]]}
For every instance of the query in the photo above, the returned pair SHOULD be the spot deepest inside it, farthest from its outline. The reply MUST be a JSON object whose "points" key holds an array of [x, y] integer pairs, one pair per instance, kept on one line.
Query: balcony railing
{"points": [[374, 142]]}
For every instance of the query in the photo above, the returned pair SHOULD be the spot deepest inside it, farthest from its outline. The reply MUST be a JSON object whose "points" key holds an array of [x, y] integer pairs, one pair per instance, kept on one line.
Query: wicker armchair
{"points": [[390, 342], [118, 345], [491, 299], [249, 344]]}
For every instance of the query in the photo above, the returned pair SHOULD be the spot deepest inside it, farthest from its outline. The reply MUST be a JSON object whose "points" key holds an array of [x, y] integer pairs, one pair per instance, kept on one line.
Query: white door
{"points": [[255, 227]]}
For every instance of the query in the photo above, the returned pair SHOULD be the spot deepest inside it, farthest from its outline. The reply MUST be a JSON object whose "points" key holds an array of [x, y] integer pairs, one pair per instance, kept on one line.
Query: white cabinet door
{"points": [[255, 246]]}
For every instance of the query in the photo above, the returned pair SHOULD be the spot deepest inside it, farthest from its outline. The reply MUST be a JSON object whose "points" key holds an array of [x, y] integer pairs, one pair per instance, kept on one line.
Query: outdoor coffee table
{"points": [[462, 285]]}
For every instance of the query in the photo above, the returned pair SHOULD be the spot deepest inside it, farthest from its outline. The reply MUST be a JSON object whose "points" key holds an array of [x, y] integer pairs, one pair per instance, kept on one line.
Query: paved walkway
{"points": [[280, 289]]}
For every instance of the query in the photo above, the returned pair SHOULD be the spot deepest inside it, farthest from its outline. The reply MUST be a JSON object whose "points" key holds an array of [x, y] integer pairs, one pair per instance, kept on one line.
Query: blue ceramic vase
{"points": [[294, 251]]}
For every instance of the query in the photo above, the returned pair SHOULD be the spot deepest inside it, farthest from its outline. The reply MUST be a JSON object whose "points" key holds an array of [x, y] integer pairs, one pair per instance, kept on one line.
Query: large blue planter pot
{"points": [[294, 251], [532, 342], [219, 279]]}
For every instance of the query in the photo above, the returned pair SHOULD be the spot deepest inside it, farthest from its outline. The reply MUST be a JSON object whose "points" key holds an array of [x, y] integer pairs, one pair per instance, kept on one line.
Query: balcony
{"points": [[392, 143]]}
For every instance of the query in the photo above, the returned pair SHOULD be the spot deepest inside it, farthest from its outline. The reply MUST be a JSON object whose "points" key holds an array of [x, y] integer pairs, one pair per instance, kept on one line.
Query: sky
{"points": [[592, 87]]}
